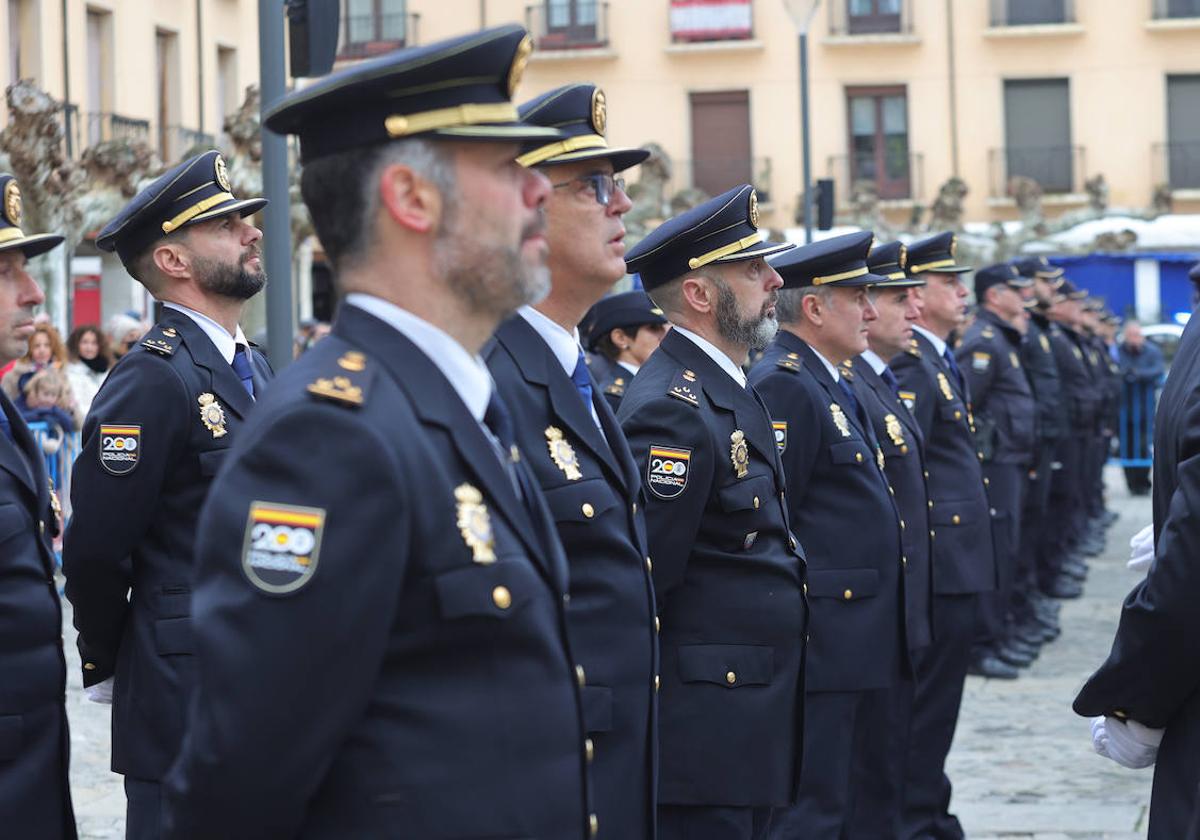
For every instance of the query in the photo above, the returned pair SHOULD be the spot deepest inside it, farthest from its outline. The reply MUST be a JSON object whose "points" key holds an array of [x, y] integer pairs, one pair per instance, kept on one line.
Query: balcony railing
{"points": [[885, 17], [698, 21], [101, 126], [904, 179], [1032, 12], [364, 36], [1058, 170], [716, 175], [1177, 164], [1168, 9], [568, 25]]}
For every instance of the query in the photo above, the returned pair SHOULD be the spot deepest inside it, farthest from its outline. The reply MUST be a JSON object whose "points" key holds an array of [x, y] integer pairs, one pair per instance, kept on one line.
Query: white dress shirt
{"points": [[564, 345], [872, 358], [938, 344], [225, 343], [833, 371], [468, 374], [715, 353], [630, 369]]}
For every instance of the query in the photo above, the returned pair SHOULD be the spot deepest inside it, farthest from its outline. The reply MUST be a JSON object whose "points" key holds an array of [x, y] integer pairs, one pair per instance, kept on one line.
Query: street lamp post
{"points": [[801, 12]]}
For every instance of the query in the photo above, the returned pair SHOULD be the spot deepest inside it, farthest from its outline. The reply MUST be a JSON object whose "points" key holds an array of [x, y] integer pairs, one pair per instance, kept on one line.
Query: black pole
{"points": [[805, 152], [277, 231]]}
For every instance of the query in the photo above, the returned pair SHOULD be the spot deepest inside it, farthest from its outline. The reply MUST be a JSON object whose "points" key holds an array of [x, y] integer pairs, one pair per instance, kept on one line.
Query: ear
{"points": [[172, 261], [409, 200], [812, 308], [615, 335], [700, 293]]}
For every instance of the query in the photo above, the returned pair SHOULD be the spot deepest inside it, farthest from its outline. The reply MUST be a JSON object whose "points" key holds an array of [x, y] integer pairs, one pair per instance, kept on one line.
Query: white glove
{"points": [[1128, 743], [101, 692], [1141, 550]]}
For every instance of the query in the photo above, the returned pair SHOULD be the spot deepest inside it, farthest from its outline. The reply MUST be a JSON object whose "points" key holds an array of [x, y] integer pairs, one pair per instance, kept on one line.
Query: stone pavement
{"points": [[1022, 764]]}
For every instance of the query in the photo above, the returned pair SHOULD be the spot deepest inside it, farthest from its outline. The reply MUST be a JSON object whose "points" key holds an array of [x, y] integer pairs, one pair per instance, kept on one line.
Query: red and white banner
{"points": [[710, 20]]}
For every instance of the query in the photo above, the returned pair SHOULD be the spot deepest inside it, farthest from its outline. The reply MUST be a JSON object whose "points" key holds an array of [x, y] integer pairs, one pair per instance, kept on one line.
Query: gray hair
{"points": [[789, 309]]}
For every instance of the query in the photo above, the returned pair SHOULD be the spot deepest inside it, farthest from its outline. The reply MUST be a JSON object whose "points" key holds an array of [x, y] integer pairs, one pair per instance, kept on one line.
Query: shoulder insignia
{"points": [[913, 349], [347, 384], [685, 387], [788, 363], [1044, 342], [162, 340], [616, 387], [987, 332], [909, 398], [846, 371]]}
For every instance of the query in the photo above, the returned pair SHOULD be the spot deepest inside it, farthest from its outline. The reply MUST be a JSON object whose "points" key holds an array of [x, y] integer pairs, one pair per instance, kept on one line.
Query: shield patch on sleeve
{"points": [[667, 470], [282, 543], [779, 427], [120, 448]]}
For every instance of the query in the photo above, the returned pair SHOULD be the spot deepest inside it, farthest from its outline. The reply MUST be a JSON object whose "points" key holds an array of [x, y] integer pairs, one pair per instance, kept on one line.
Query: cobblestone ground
{"points": [[1022, 764]]}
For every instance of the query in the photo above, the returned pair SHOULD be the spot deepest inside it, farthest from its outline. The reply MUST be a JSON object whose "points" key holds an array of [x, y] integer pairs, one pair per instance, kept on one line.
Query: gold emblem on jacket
{"points": [[562, 453], [839, 419], [212, 415], [739, 453], [475, 524], [944, 384], [894, 430]]}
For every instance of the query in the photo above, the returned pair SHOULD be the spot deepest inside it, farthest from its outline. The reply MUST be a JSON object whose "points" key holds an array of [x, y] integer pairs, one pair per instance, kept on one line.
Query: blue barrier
{"points": [[60, 461], [1136, 434]]}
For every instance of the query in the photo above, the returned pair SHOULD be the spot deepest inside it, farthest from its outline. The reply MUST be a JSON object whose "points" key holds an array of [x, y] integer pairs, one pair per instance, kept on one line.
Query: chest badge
{"points": [[1044, 342], [879, 456], [739, 453], [839, 419], [475, 524], [562, 453], [894, 430], [944, 384], [212, 415], [1012, 357]]}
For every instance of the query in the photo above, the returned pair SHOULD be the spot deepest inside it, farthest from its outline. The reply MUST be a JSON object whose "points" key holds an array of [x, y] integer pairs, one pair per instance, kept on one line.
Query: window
{"points": [[100, 73], [370, 27], [24, 58], [228, 95], [1037, 133], [1176, 8], [704, 20], [570, 23], [879, 139], [166, 112], [721, 141], [1183, 132], [871, 16], [1030, 12]]}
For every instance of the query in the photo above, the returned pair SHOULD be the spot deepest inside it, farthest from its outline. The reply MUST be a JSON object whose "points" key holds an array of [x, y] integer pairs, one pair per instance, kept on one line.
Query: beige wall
{"points": [[1116, 60]]}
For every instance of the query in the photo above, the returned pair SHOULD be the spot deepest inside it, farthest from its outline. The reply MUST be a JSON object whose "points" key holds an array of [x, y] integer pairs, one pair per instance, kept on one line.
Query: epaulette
{"points": [[789, 362], [913, 349], [846, 371], [616, 387], [347, 382], [684, 387], [162, 340], [987, 332]]}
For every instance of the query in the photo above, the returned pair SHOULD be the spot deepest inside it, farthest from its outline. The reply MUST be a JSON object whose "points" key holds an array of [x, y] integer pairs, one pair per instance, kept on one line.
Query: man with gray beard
{"points": [[153, 440], [728, 574]]}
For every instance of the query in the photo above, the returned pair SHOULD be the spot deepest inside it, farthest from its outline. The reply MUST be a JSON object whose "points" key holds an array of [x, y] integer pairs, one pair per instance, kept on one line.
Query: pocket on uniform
{"points": [[210, 462], [492, 590], [12, 522], [729, 665], [597, 708], [580, 501], [748, 494], [951, 412], [952, 513], [843, 584], [11, 733], [850, 452], [173, 636]]}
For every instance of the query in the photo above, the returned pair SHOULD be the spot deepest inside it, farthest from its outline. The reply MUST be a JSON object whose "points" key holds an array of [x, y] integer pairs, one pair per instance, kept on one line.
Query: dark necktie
{"points": [[889, 379], [241, 366], [953, 365], [500, 423], [583, 381]]}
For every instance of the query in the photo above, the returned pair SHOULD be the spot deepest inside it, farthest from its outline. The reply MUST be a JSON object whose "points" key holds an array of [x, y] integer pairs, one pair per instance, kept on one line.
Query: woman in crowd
{"points": [[88, 364], [46, 352]]}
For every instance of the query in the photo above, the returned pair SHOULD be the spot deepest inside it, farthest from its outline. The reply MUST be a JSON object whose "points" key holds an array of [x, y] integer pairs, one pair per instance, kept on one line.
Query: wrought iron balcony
{"points": [[568, 25], [902, 177], [1031, 12], [1057, 169], [870, 17], [700, 21], [364, 36]]}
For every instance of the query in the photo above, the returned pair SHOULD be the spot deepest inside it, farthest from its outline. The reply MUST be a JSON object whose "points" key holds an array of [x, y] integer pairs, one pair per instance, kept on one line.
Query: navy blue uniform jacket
{"points": [[133, 528], [835, 484], [416, 679], [1001, 397], [903, 448], [1037, 355], [959, 516], [35, 799], [592, 487], [1152, 674], [728, 575]]}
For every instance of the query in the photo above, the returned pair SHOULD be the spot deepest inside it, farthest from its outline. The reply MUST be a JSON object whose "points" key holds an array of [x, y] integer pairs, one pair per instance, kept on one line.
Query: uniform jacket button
{"points": [[589, 749], [848, 594], [593, 825], [580, 676], [657, 624], [730, 677], [588, 510], [89, 666], [657, 682], [956, 519], [649, 565], [756, 503], [635, 507], [904, 561], [501, 597], [858, 457]]}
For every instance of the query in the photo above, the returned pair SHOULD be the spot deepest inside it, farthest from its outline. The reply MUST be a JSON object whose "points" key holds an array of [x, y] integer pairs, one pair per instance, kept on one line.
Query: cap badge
{"points": [[562, 453], [903, 257], [520, 59], [754, 209], [739, 453], [894, 429], [12, 203], [953, 245], [839, 419], [222, 174], [944, 384], [212, 415], [599, 111], [474, 524]]}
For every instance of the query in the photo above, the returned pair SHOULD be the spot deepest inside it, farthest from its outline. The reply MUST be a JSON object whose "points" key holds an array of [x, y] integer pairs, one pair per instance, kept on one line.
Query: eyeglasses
{"points": [[603, 185]]}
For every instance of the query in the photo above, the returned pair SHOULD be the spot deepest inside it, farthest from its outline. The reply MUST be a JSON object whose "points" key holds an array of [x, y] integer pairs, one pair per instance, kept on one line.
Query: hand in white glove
{"points": [[1128, 743], [101, 692], [1141, 550]]}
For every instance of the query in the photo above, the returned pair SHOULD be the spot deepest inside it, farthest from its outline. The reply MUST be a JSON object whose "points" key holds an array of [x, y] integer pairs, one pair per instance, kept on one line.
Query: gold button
{"points": [[1120, 714], [858, 457], [756, 502], [927, 473], [956, 519], [980, 454], [992, 511], [42, 525], [589, 749], [804, 587], [902, 525], [931, 504], [903, 561], [792, 542], [501, 597], [593, 825], [904, 449], [847, 595], [588, 510], [986, 482], [649, 565], [635, 507], [657, 682], [932, 533], [958, 415], [89, 666], [580, 676], [657, 625], [730, 677], [892, 490]]}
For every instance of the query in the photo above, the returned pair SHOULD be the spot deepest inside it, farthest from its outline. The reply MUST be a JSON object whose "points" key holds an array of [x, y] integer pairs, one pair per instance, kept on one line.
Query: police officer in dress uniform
{"points": [[380, 593], [1067, 485], [881, 772], [1036, 615], [1003, 409], [35, 794], [1148, 682], [727, 571], [835, 483], [153, 440], [624, 329], [933, 388], [571, 441]]}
